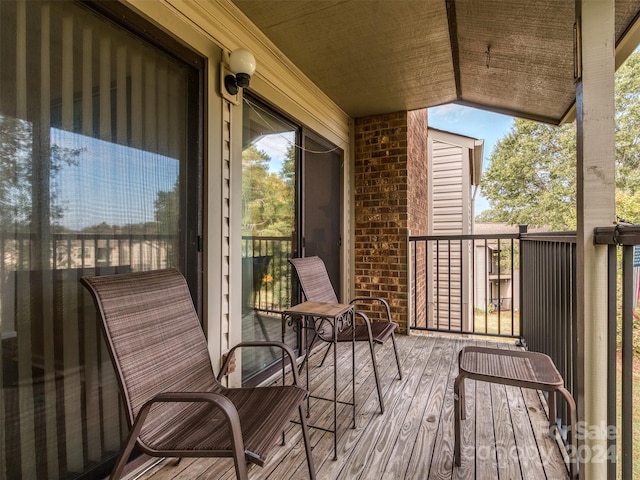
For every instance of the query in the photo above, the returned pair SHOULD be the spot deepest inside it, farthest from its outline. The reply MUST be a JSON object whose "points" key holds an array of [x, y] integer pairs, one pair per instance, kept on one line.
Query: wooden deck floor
{"points": [[504, 436]]}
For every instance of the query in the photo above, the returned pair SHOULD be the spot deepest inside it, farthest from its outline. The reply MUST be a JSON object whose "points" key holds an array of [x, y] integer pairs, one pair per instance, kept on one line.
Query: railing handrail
{"points": [[620, 234], [268, 237], [89, 236], [480, 236], [565, 236], [569, 236]]}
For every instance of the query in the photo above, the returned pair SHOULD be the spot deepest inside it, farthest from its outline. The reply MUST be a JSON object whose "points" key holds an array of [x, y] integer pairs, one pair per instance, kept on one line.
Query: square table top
{"points": [[319, 309]]}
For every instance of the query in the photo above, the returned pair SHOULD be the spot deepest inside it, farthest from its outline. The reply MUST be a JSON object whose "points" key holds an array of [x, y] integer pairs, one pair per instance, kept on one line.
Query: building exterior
{"points": [[455, 167], [496, 283], [117, 113]]}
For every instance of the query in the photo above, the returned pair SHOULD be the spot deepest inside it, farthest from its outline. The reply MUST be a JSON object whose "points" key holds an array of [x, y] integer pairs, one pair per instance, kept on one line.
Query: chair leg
{"points": [[122, 459], [458, 407], [130, 443], [239, 460], [573, 459], [307, 444], [551, 402], [395, 350], [375, 374], [463, 404]]}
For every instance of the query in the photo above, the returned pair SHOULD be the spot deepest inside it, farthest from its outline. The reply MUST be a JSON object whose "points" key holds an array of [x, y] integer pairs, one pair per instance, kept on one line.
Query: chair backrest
{"points": [[314, 279], [154, 336]]}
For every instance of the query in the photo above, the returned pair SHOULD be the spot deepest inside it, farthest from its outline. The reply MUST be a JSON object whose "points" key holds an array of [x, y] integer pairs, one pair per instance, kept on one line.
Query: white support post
{"points": [[596, 207]]}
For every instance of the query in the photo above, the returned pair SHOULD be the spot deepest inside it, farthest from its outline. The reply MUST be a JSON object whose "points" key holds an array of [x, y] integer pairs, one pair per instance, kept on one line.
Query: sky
{"points": [[472, 122], [93, 179], [110, 183]]}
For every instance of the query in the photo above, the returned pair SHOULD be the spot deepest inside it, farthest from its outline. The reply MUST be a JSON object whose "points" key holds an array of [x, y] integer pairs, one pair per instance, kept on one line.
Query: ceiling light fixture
{"points": [[242, 64]]}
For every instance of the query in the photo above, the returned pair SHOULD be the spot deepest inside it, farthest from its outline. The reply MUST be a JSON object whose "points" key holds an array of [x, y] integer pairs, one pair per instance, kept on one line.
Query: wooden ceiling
{"points": [[379, 56]]}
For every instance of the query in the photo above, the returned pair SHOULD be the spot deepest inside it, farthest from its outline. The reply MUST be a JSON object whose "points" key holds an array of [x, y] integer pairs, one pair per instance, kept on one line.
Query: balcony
{"points": [[414, 439], [543, 313], [504, 435]]}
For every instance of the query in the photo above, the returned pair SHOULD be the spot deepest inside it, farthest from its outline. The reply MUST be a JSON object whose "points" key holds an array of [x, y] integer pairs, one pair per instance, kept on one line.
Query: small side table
{"points": [[326, 319], [517, 368]]}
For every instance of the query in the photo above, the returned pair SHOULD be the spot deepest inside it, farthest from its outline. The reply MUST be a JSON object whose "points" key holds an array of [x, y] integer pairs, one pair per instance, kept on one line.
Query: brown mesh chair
{"points": [[176, 406], [317, 287]]}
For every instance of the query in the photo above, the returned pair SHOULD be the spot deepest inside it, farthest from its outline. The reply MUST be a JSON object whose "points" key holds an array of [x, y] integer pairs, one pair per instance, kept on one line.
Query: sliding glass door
{"points": [[98, 171], [269, 160], [291, 207]]}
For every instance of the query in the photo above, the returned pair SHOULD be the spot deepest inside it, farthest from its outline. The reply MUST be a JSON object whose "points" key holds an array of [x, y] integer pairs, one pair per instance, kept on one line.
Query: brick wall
{"points": [[388, 150], [417, 167], [418, 204]]}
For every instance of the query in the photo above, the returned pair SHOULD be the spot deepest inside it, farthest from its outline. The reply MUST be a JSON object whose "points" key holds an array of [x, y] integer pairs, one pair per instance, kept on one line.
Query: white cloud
{"points": [[451, 112]]}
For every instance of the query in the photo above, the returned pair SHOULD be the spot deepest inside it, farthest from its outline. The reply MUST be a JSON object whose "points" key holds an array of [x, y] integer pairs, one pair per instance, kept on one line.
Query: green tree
{"points": [[532, 173], [17, 163], [16, 173], [167, 211], [531, 178], [267, 197]]}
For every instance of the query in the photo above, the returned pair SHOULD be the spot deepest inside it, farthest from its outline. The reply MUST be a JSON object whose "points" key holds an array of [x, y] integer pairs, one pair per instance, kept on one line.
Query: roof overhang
{"points": [[375, 56]]}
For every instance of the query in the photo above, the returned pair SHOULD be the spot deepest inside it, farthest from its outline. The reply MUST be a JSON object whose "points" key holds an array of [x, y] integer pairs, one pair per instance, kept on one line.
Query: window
{"points": [[100, 174]]}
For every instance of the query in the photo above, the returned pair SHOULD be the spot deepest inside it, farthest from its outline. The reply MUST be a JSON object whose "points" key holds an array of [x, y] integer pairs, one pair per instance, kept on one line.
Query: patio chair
{"points": [[175, 404], [317, 287]]}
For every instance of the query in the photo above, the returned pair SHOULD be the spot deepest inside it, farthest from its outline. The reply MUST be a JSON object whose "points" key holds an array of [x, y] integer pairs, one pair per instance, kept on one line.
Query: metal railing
{"points": [[623, 242], [529, 294], [266, 273], [88, 250], [548, 302], [465, 284], [49, 331]]}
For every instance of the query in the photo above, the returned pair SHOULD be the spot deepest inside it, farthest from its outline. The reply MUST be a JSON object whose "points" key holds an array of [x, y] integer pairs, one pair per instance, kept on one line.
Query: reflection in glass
{"points": [[268, 213], [92, 149]]}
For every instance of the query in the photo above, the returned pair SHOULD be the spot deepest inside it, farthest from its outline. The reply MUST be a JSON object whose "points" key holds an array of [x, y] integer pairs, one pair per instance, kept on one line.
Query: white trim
{"points": [[213, 29], [595, 208]]}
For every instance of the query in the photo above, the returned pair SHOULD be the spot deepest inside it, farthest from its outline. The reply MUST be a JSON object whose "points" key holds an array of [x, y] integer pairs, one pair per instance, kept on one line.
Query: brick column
{"points": [[390, 197]]}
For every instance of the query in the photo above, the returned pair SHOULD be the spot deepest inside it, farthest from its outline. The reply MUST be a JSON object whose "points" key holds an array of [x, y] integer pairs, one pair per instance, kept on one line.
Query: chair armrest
{"points": [[367, 322], [285, 348], [374, 299], [219, 401]]}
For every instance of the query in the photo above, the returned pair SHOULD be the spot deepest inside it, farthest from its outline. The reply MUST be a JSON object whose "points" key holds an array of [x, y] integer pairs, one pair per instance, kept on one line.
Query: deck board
{"points": [[366, 460], [413, 439], [422, 457]]}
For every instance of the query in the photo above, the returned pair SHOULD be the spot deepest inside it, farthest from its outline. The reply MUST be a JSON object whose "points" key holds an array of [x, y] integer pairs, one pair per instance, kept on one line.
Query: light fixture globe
{"points": [[243, 64], [242, 61]]}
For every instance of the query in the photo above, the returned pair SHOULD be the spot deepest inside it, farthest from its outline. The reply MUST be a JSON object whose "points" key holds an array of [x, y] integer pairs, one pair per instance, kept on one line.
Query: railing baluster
{"points": [[473, 285], [612, 340], [449, 283], [628, 293], [628, 237], [487, 286], [512, 286]]}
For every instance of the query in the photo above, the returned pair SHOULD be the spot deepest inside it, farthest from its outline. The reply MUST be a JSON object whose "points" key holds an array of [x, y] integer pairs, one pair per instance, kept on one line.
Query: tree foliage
{"points": [[267, 196], [167, 210], [531, 178], [21, 172]]}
